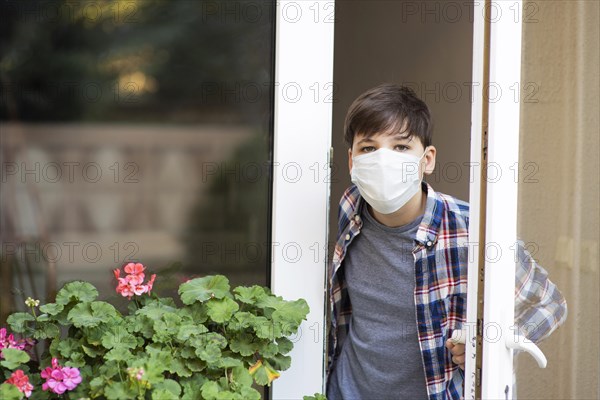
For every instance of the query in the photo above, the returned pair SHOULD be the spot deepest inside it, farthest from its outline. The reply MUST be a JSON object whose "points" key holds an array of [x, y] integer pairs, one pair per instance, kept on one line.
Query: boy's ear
{"points": [[430, 161], [349, 160]]}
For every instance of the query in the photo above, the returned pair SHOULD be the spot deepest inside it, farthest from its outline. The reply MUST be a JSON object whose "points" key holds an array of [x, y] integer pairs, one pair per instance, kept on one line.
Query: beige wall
{"points": [[559, 213]]}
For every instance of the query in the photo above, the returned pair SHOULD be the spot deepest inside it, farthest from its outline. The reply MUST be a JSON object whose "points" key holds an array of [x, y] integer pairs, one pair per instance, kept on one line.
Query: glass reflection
{"points": [[134, 130]]}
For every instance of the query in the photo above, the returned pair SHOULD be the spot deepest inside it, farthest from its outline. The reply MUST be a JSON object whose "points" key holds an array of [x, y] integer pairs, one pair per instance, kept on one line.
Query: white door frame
{"points": [[303, 118], [495, 371]]}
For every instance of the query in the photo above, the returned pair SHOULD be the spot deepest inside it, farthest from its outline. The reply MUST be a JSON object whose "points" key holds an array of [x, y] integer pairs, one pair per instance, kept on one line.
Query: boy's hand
{"points": [[458, 353]]}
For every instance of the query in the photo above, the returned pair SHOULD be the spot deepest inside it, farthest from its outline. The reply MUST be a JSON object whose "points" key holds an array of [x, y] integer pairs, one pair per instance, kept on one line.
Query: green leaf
{"points": [[187, 330], [140, 324], [97, 386], [108, 369], [94, 335], [118, 354], [104, 308], [43, 318], [46, 331], [167, 389], [202, 289], [77, 360], [92, 314], [210, 390], [179, 366], [249, 393], [285, 345], [316, 396], [166, 327], [290, 315], [13, 358], [188, 352], [208, 346], [155, 310], [243, 344], [192, 387], [117, 337], [92, 351], [268, 330], [119, 391], [9, 392], [250, 295], [68, 346], [229, 395], [76, 291], [244, 319], [52, 308], [18, 321], [195, 313], [241, 376], [161, 358], [274, 302], [210, 353], [229, 362], [221, 310], [280, 362], [195, 365], [269, 350], [263, 373]]}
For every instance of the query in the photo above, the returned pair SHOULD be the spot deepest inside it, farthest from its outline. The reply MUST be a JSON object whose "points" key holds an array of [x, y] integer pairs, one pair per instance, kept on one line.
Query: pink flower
{"points": [[9, 342], [151, 282], [133, 283], [71, 377], [140, 374], [60, 379], [134, 268], [136, 373], [21, 381]]}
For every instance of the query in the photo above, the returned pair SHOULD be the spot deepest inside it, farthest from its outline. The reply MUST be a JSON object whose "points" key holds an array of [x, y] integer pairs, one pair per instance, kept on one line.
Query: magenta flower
{"points": [[60, 379], [71, 377], [21, 381], [9, 342]]}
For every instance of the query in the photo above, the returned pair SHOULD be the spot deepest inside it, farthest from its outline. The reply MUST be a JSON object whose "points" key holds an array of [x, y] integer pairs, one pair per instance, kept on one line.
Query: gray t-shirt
{"points": [[380, 357]]}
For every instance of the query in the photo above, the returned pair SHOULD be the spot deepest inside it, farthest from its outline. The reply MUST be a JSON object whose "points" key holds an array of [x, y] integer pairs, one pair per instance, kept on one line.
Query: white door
{"points": [[302, 134], [490, 335]]}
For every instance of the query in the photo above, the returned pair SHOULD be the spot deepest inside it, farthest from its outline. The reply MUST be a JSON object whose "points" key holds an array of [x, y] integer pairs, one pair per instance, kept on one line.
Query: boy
{"points": [[398, 280]]}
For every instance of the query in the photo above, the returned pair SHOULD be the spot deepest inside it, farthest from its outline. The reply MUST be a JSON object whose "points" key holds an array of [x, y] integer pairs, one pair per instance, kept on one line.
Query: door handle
{"points": [[523, 344], [517, 342]]}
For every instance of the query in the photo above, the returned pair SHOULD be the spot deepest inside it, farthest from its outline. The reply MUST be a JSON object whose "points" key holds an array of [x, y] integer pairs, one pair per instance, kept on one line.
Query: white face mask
{"points": [[386, 179]]}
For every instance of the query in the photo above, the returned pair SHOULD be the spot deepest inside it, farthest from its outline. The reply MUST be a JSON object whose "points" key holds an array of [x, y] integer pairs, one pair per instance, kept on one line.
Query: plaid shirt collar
{"points": [[351, 206]]}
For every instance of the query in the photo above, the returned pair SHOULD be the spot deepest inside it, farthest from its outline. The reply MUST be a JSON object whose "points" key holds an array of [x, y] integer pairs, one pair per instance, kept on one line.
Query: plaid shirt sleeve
{"points": [[540, 308]]}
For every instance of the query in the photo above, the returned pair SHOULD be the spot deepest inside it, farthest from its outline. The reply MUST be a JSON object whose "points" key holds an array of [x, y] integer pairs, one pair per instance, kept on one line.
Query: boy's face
{"points": [[399, 142]]}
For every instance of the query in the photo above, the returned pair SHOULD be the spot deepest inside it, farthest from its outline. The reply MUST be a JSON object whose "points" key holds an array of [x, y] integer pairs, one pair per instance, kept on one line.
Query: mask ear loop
{"points": [[423, 178]]}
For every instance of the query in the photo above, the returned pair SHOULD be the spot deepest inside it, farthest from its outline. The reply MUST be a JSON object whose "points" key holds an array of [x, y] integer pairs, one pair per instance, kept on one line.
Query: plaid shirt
{"points": [[441, 255]]}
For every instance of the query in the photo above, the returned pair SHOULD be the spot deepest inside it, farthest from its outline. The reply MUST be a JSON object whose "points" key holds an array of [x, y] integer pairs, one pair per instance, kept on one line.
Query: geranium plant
{"points": [[211, 343]]}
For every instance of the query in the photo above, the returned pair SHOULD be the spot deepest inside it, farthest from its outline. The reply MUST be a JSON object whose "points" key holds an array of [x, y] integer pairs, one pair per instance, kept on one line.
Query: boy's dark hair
{"points": [[388, 108]]}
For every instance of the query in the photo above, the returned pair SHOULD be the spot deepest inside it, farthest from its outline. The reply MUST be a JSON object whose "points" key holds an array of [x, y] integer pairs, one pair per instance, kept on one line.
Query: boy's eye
{"points": [[401, 147], [367, 149]]}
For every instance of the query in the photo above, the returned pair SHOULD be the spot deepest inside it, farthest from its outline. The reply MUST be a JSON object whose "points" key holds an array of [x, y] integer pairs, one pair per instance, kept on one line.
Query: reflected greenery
{"points": [[149, 60], [227, 228], [144, 63]]}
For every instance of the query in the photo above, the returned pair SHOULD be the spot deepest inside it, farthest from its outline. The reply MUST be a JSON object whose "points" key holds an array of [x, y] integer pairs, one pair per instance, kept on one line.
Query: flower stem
{"points": [[119, 368], [33, 312]]}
